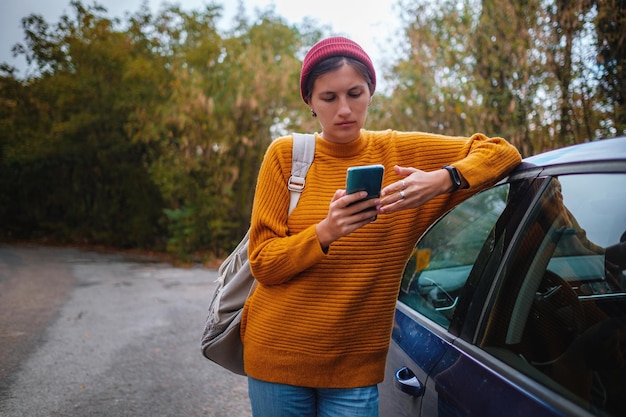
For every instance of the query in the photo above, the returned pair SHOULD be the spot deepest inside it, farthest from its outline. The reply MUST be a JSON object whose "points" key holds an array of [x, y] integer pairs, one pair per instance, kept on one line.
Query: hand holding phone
{"points": [[365, 178]]}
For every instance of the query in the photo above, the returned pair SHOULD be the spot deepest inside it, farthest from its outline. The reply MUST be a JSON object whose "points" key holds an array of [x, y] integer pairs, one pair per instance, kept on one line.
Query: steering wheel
{"points": [[556, 319]]}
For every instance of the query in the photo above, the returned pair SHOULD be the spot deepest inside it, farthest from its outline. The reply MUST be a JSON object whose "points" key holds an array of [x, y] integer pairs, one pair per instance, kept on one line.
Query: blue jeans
{"points": [[277, 400]]}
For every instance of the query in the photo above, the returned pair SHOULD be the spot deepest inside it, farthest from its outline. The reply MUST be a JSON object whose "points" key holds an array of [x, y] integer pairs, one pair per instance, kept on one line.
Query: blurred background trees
{"points": [[533, 71], [149, 132]]}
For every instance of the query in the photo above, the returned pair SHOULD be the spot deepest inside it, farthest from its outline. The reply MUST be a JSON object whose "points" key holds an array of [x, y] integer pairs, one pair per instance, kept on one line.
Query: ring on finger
{"points": [[403, 184], [402, 194]]}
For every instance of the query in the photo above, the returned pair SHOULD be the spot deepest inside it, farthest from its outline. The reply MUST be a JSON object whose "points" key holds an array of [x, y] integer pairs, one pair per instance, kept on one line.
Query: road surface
{"points": [[89, 334]]}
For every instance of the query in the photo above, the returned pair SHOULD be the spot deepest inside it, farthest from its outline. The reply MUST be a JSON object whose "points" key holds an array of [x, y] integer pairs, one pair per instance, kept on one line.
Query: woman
{"points": [[316, 331]]}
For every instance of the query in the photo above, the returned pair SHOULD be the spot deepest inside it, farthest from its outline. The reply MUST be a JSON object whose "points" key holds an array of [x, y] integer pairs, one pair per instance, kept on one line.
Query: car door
{"points": [[514, 304], [436, 284], [556, 311]]}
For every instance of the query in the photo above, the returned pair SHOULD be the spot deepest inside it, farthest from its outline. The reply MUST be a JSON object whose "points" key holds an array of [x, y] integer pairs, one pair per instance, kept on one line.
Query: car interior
{"points": [[568, 320]]}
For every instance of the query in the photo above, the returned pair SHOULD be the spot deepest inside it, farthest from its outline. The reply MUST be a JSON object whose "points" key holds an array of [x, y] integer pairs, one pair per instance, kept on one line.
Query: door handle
{"points": [[407, 382]]}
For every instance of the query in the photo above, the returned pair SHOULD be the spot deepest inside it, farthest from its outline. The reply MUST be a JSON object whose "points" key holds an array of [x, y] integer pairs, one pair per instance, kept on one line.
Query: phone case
{"points": [[365, 178]]}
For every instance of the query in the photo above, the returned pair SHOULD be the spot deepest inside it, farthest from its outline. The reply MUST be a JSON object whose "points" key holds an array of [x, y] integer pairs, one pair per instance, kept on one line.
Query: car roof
{"points": [[607, 155], [596, 151]]}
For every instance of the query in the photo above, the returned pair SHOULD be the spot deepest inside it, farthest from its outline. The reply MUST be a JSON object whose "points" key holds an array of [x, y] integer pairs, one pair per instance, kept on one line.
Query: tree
{"points": [[505, 73], [431, 88], [521, 69], [228, 95], [80, 177], [611, 54]]}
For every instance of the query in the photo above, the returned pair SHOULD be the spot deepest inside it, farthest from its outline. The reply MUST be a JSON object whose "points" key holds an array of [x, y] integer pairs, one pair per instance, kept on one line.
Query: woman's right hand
{"points": [[346, 213]]}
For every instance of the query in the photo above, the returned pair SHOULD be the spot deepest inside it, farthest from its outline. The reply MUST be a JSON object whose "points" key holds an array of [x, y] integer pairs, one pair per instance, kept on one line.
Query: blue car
{"points": [[514, 302]]}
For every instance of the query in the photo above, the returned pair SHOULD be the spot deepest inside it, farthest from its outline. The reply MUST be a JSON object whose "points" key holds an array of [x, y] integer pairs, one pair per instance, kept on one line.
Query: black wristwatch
{"points": [[454, 176]]}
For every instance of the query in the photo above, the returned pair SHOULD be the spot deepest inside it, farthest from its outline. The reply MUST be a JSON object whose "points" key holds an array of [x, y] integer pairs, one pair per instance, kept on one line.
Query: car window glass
{"points": [[560, 311], [443, 258]]}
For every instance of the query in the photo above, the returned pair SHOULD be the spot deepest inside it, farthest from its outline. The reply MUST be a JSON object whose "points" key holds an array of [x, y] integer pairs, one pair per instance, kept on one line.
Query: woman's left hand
{"points": [[414, 189]]}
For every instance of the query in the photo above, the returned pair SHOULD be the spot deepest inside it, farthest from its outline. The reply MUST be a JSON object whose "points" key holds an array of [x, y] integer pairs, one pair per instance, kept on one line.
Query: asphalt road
{"points": [[95, 334]]}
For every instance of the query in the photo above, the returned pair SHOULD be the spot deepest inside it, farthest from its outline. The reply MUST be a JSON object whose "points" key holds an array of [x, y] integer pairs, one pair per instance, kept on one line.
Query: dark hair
{"points": [[332, 64]]}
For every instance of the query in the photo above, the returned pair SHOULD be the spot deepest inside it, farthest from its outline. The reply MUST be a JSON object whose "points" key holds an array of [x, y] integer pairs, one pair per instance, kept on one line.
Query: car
{"points": [[514, 302]]}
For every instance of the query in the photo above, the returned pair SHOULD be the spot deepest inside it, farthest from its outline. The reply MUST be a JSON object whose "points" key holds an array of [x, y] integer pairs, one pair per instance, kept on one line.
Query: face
{"points": [[341, 98]]}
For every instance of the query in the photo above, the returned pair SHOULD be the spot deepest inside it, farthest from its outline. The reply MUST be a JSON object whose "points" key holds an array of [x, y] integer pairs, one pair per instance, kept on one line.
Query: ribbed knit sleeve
{"points": [[324, 319], [480, 159], [276, 253]]}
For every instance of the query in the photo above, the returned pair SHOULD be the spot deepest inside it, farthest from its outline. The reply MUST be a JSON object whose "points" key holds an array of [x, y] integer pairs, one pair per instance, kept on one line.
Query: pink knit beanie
{"points": [[334, 46]]}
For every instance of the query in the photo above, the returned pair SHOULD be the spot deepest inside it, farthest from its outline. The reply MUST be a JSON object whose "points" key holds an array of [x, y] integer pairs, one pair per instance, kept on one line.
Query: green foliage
{"points": [[70, 169], [225, 96], [525, 70], [150, 132], [610, 22]]}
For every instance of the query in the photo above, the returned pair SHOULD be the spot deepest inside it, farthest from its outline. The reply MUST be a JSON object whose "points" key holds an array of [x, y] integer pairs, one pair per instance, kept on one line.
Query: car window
{"points": [[442, 260], [559, 314]]}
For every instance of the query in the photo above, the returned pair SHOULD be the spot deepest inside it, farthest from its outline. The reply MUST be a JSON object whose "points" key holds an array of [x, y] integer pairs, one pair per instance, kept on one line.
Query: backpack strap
{"points": [[303, 152]]}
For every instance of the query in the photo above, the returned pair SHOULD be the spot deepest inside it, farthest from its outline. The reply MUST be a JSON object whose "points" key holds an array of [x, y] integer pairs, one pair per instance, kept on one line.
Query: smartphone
{"points": [[365, 178]]}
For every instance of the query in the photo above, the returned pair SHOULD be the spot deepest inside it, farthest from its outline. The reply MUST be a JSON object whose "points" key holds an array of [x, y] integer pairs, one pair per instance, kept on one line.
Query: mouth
{"points": [[345, 124]]}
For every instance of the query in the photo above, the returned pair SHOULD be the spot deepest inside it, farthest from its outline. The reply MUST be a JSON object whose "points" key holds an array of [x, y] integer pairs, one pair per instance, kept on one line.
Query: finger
{"points": [[354, 197], [404, 171], [394, 202], [365, 205], [396, 187], [338, 194], [364, 217]]}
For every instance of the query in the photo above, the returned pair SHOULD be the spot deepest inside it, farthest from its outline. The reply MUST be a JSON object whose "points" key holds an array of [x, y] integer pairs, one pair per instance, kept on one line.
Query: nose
{"points": [[344, 107]]}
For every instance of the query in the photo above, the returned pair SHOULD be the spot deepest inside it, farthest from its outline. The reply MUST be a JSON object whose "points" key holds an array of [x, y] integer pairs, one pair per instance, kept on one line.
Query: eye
{"points": [[356, 92]]}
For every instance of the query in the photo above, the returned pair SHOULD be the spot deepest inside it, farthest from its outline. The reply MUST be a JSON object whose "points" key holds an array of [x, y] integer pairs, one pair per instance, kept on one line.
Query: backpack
{"points": [[221, 340]]}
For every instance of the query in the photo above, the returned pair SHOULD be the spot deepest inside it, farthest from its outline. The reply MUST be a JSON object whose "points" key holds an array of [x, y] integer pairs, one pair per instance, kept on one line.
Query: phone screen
{"points": [[365, 178]]}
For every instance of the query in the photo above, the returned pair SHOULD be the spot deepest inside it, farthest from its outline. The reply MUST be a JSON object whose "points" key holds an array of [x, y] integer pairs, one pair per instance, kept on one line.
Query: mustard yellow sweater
{"points": [[324, 319]]}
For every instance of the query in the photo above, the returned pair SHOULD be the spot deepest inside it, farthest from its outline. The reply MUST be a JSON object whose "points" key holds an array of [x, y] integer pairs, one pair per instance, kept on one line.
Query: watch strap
{"points": [[454, 176]]}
